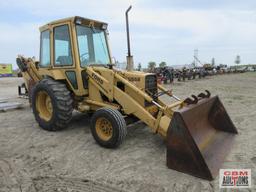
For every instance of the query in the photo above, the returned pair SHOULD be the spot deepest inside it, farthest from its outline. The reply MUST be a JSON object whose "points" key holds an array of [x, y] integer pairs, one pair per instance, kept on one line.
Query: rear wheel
{"points": [[52, 104], [108, 127]]}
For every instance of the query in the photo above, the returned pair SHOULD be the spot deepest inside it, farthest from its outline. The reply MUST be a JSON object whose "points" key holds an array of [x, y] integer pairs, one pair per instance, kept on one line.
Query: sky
{"points": [[163, 30]]}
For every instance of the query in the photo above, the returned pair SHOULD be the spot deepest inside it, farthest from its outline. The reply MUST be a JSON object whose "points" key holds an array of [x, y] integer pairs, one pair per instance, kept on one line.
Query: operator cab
{"points": [[74, 42]]}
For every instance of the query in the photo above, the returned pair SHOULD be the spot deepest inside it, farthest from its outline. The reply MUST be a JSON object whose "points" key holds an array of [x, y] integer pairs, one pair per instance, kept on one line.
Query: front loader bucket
{"points": [[199, 137]]}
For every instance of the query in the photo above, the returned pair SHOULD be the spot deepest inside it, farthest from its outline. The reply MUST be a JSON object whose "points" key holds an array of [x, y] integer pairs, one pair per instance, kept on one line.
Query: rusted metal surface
{"points": [[199, 137], [203, 95], [195, 99]]}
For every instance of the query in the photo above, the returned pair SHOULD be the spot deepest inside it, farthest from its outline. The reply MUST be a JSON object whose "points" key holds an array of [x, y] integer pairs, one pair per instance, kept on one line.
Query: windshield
{"points": [[92, 46]]}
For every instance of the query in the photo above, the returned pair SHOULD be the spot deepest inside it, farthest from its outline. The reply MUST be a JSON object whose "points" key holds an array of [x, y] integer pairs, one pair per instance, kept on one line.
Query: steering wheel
{"points": [[84, 58]]}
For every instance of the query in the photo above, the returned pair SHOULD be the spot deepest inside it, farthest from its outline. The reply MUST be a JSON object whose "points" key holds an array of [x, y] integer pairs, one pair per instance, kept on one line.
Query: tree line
{"points": [[152, 64]]}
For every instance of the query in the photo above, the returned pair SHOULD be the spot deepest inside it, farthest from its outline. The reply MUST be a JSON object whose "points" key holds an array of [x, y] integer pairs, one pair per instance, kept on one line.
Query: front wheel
{"points": [[108, 127]]}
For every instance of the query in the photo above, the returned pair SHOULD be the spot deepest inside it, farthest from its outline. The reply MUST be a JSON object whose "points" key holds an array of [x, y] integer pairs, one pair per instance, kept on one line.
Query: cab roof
{"points": [[75, 19]]}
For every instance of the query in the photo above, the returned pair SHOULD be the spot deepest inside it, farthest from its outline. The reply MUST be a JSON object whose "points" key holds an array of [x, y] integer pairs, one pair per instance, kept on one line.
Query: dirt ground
{"points": [[32, 159]]}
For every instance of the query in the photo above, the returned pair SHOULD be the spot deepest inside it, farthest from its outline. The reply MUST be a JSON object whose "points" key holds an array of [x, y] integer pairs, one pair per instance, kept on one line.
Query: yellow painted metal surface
{"points": [[44, 105], [104, 129]]}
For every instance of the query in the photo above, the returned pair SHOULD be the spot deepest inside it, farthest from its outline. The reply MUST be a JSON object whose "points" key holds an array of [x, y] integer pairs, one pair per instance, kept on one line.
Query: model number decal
{"points": [[129, 78], [133, 78]]}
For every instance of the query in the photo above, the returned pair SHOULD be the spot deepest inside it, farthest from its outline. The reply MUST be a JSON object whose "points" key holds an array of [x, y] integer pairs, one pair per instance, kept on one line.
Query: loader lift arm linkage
{"points": [[129, 105]]}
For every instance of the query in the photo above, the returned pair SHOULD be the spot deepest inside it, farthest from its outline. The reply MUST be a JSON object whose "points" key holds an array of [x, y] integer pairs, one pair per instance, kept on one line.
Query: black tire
{"points": [[118, 127], [62, 104]]}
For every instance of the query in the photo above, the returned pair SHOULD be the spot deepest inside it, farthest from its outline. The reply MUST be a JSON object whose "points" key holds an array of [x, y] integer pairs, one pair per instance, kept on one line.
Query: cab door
{"points": [[62, 47], [63, 54]]}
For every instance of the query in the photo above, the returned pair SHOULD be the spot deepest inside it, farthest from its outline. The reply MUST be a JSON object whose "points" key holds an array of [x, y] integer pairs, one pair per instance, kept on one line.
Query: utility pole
{"points": [[195, 57]]}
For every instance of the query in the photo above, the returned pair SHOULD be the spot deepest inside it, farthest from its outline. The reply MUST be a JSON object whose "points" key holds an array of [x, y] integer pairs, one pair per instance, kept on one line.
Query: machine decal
{"points": [[97, 78]]}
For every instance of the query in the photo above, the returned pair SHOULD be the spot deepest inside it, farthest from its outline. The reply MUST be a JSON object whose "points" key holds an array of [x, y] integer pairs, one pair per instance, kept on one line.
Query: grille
{"points": [[150, 86]]}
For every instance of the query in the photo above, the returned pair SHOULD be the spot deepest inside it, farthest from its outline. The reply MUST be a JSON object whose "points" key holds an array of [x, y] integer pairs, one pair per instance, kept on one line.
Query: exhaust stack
{"points": [[129, 57]]}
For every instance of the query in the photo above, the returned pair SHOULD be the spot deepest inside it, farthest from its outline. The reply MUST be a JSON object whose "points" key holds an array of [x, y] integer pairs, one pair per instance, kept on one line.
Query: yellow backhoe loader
{"points": [[75, 71]]}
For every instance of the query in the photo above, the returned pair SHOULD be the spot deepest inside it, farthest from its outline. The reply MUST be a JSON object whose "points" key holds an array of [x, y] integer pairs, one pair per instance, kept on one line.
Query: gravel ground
{"points": [[32, 159]]}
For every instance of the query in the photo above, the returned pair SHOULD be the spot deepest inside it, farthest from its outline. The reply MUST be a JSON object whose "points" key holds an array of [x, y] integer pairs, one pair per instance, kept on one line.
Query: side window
{"points": [[45, 49], [62, 46]]}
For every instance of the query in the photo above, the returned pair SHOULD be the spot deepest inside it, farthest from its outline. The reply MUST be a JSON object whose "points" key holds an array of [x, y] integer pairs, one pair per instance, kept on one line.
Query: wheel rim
{"points": [[44, 105], [104, 128]]}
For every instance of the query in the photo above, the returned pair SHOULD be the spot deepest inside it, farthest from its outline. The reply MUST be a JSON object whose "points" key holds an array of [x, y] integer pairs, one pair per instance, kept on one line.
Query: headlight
{"points": [[104, 26], [79, 21]]}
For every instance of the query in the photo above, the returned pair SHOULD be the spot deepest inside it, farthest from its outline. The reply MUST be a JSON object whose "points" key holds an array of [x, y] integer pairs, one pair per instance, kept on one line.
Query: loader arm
{"points": [[128, 104]]}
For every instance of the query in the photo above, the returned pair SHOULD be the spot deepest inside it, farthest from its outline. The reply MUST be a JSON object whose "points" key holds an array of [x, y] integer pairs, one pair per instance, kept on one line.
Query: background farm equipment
{"points": [[164, 74]]}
